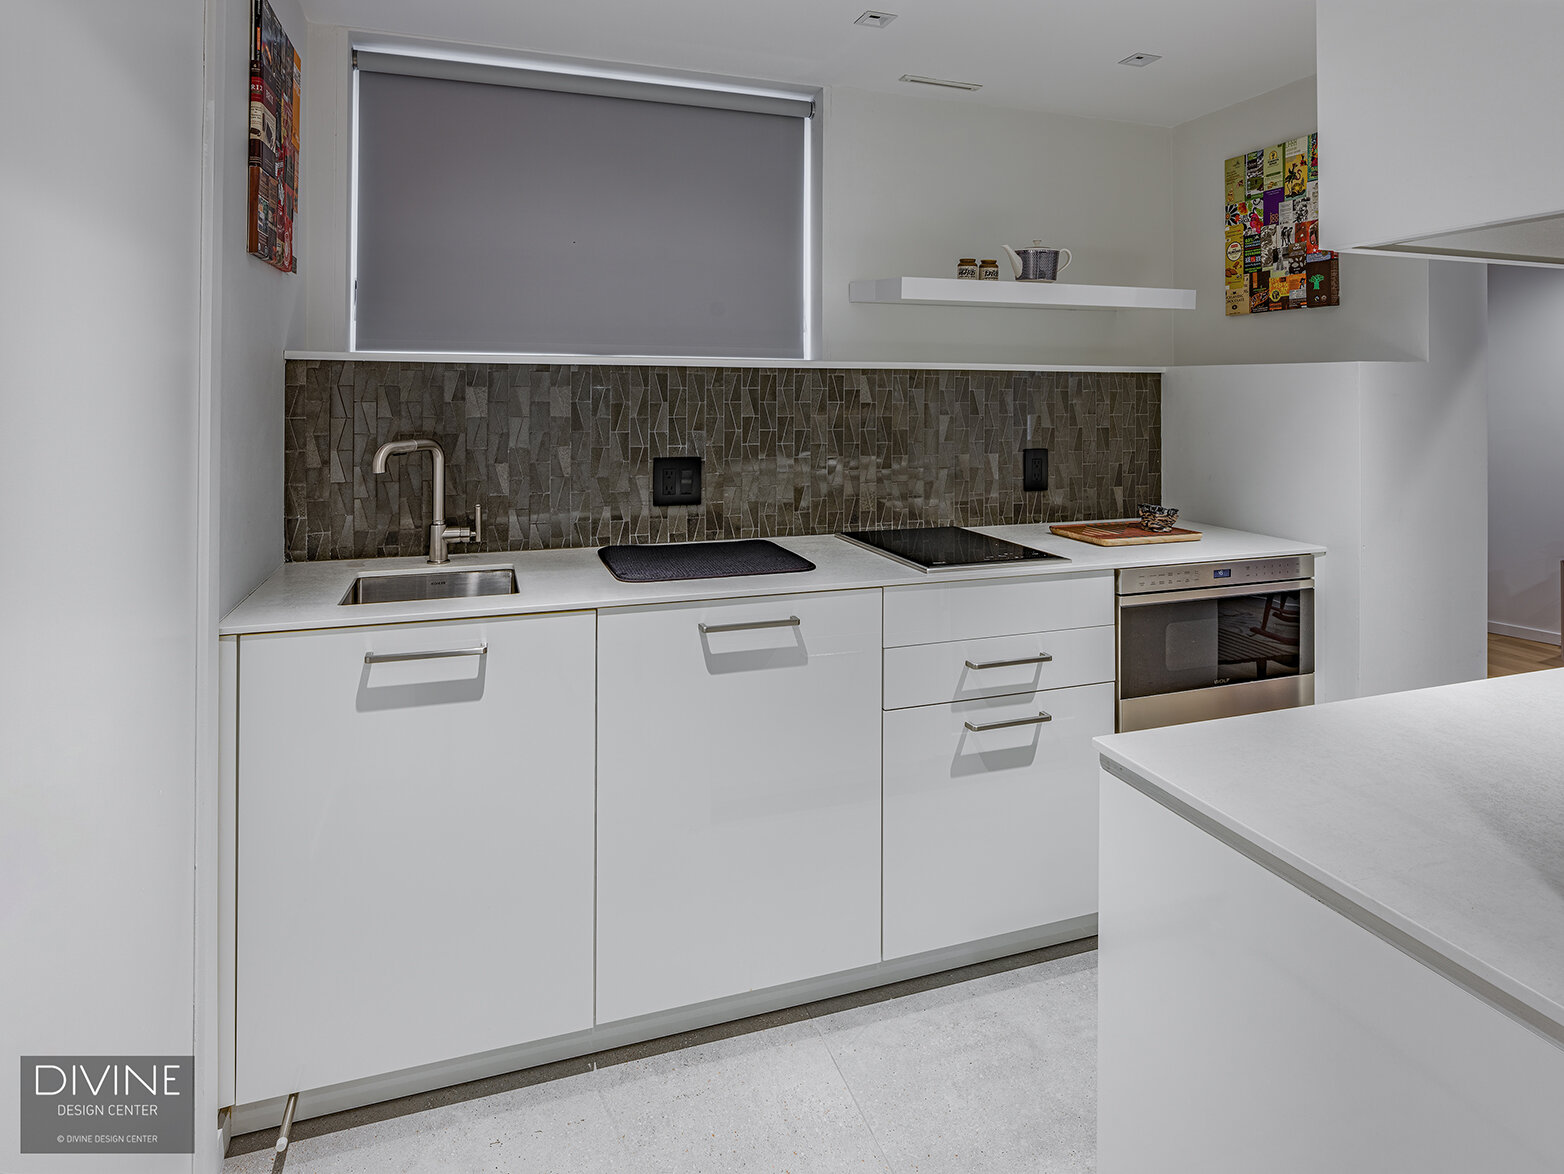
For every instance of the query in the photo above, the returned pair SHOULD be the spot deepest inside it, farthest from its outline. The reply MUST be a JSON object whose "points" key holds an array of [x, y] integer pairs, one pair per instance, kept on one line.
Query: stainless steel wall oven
{"points": [[1204, 640]]}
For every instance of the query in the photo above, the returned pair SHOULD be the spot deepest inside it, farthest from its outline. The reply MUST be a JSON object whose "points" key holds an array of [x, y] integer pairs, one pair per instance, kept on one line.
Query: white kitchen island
{"points": [[1333, 938]]}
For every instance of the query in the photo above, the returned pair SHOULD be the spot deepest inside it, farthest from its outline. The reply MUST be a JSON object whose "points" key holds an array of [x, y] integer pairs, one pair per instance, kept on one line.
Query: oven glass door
{"points": [[1178, 641]]}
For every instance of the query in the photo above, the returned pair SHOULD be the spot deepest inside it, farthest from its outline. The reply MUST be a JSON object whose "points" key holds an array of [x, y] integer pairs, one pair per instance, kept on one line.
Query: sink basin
{"points": [[413, 585]]}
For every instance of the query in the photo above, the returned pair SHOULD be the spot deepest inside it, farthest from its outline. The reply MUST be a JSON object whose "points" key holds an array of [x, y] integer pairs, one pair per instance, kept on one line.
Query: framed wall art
{"points": [[274, 141], [1273, 260]]}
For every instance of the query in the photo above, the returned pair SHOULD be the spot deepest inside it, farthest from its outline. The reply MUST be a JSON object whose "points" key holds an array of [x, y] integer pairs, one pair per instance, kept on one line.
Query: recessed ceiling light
{"points": [[875, 20], [940, 81], [1140, 60]]}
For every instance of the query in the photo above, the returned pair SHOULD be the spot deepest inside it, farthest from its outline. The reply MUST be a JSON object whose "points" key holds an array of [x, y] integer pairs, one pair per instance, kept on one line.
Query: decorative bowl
{"points": [[1157, 518]]}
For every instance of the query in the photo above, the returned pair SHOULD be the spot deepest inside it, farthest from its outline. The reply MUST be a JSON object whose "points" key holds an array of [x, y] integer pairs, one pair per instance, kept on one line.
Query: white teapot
{"points": [[1037, 263]]}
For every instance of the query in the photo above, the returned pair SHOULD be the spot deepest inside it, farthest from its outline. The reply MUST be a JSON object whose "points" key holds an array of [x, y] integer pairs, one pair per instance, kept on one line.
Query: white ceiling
{"points": [[1028, 54]]}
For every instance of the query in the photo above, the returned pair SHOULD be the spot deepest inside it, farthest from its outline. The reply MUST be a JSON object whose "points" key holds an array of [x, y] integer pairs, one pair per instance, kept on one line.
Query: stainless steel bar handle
{"points": [[436, 654], [1020, 721], [1040, 658], [790, 622]]}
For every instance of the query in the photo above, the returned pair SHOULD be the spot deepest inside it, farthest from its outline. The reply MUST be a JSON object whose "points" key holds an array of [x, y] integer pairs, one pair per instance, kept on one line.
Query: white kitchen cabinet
{"points": [[415, 845], [990, 779], [991, 830], [738, 796]]}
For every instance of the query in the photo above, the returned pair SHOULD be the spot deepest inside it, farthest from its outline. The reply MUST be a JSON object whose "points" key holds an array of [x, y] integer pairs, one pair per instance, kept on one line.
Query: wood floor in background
{"points": [[1507, 655]]}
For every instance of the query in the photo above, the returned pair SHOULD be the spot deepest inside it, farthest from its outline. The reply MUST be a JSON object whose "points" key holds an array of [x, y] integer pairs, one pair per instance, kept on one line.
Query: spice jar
{"points": [[967, 269], [988, 270]]}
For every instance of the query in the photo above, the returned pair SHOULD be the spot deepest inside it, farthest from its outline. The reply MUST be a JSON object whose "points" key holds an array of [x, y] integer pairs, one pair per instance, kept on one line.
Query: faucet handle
{"points": [[463, 533]]}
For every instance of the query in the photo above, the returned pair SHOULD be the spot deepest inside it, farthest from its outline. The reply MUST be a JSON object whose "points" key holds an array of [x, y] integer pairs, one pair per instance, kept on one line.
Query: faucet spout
{"points": [[437, 527], [397, 447]]}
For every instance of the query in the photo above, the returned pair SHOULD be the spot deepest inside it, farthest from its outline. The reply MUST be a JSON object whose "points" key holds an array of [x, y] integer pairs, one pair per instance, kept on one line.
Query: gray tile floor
{"points": [[988, 1069]]}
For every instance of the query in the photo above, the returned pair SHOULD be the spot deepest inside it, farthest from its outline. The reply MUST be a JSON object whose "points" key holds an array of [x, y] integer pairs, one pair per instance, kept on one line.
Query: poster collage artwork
{"points": [[274, 141], [1273, 256]]}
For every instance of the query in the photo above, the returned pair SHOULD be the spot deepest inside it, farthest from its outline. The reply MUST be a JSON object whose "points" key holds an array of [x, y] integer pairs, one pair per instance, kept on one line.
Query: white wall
{"points": [[1440, 114], [1279, 450], [1383, 463], [1525, 450], [1425, 498], [913, 183], [254, 315], [99, 313], [1384, 300]]}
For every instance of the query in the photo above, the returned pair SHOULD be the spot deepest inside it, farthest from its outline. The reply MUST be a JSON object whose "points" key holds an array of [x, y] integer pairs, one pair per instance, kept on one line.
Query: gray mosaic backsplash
{"points": [[562, 456]]}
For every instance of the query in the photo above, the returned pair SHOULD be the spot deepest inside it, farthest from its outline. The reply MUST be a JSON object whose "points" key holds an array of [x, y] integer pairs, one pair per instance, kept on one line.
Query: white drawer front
{"points": [[929, 613], [964, 670], [987, 832]]}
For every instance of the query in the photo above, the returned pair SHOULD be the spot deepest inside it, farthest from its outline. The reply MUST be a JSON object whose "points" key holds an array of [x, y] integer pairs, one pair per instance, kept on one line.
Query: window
{"points": [[512, 210]]}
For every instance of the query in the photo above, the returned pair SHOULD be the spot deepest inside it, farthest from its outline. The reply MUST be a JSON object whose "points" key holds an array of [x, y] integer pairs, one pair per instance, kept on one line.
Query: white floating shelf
{"points": [[951, 291]]}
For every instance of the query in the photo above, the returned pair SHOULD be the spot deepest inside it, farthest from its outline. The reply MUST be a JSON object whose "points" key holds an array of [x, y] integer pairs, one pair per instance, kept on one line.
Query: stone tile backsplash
{"points": [[562, 456]]}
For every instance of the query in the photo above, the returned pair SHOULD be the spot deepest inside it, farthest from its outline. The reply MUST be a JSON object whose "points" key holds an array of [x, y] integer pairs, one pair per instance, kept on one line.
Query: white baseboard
{"points": [[1540, 635], [354, 1094]]}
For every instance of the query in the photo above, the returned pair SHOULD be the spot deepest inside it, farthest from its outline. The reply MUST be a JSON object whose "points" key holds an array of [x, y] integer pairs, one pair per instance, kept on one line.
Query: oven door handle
{"points": [[1192, 594]]}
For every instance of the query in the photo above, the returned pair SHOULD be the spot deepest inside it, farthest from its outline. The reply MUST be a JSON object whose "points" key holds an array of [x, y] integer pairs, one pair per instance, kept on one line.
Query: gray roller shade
{"points": [[513, 219]]}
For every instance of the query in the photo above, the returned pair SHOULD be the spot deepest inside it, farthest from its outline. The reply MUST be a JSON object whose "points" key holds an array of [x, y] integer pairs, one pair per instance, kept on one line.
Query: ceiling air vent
{"points": [[939, 81], [875, 20], [1141, 60]]}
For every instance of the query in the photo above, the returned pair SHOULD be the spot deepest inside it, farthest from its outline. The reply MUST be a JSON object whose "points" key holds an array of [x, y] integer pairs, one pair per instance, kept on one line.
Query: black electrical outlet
{"points": [[676, 480], [1034, 469]]}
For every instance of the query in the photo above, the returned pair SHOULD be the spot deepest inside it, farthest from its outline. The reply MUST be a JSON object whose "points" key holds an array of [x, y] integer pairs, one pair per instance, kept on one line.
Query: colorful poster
{"points": [[1295, 167], [1233, 180], [274, 142], [1259, 291], [1322, 280], [1275, 163], [1234, 269], [1273, 206], [1254, 175], [1272, 258], [1251, 251]]}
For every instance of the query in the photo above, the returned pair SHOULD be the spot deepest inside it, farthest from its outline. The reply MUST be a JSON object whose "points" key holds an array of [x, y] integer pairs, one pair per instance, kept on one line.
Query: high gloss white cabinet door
{"points": [[991, 830], [738, 796], [415, 846]]}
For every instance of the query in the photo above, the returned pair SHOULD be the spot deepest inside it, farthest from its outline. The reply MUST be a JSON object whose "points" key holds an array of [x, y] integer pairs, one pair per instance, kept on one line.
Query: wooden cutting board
{"points": [[1125, 533]]}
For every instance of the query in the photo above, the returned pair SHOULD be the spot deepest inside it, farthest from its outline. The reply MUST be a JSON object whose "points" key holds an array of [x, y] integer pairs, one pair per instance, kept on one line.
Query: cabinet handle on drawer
{"points": [[790, 622], [1040, 658], [437, 654], [1020, 721]]}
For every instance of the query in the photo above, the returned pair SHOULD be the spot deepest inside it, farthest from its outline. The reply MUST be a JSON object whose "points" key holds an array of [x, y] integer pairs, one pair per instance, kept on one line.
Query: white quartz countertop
{"points": [[306, 595], [1433, 818]]}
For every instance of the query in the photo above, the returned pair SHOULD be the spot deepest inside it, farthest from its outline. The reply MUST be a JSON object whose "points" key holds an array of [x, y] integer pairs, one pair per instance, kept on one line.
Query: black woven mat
{"points": [[700, 560]]}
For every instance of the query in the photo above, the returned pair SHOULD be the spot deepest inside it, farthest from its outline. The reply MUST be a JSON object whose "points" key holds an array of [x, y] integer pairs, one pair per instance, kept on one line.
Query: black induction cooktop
{"points": [[946, 548]]}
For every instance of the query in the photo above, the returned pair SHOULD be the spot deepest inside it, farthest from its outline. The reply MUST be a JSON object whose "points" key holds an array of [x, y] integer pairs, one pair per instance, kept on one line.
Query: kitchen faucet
{"points": [[439, 533]]}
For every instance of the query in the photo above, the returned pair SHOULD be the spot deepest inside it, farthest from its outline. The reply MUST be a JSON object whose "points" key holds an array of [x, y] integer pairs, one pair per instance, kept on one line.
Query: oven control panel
{"points": [[1192, 576]]}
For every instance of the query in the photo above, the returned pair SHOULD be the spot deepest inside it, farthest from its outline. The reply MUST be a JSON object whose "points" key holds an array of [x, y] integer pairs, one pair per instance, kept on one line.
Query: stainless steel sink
{"points": [[413, 585]]}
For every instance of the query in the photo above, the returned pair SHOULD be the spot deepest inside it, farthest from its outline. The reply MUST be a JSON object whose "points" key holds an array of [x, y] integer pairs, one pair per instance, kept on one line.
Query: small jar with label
{"points": [[988, 270], [967, 269]]}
